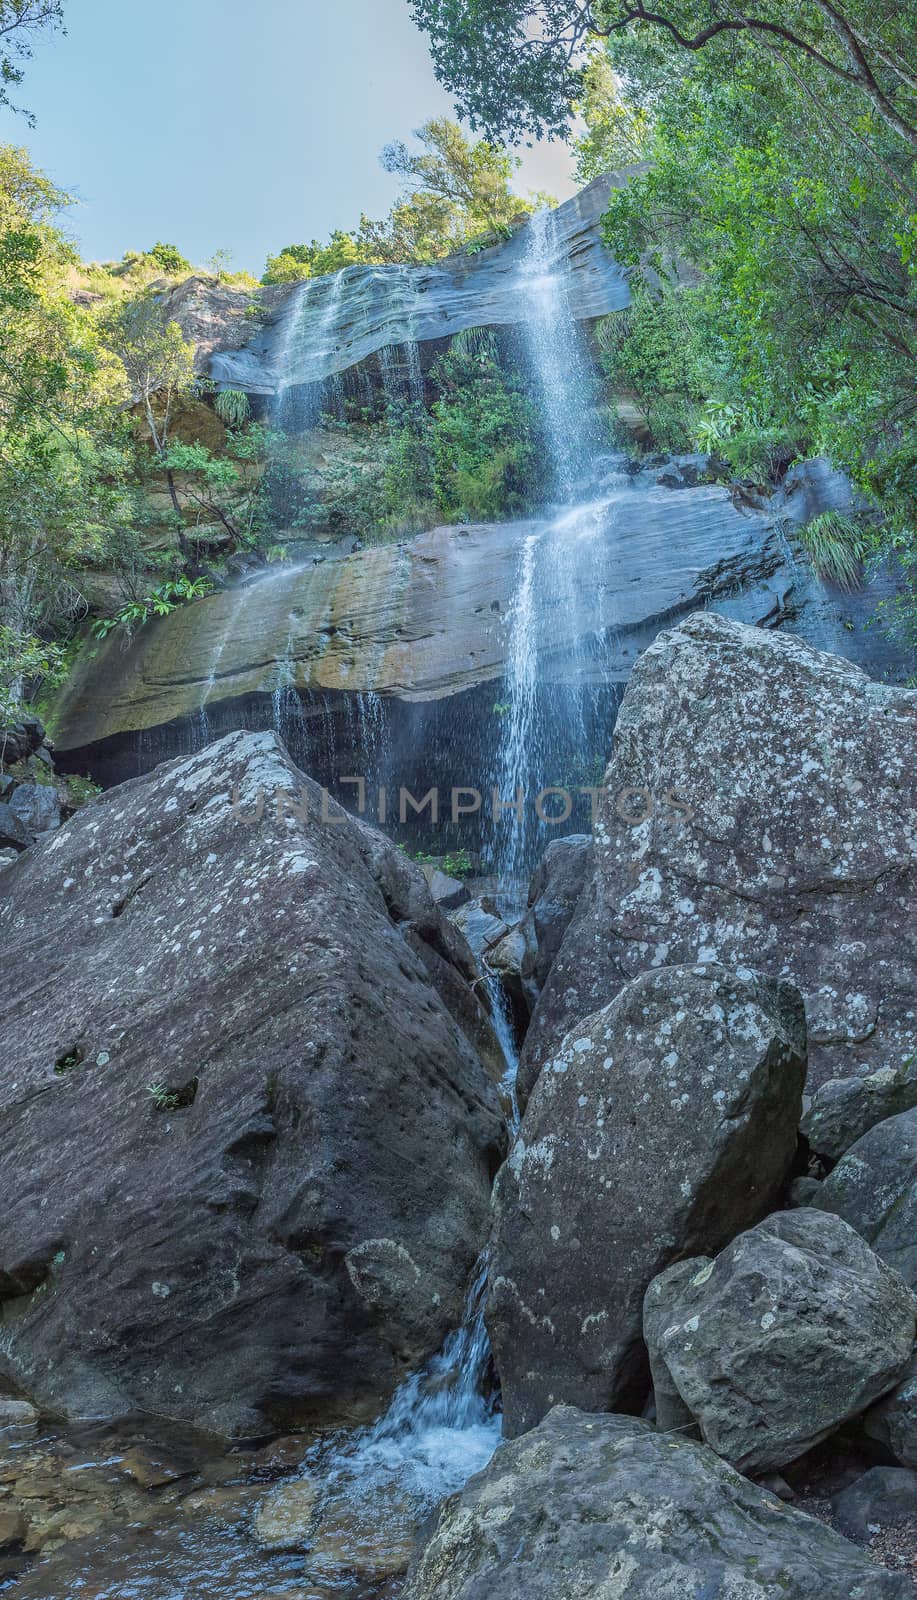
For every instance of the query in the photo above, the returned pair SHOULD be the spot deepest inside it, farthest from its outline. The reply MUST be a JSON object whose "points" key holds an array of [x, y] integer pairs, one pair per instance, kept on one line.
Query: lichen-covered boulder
{"points": [[604, 1508], [665, 1123], [874, 1188], [247, 1145], [843, 1109], [795, 1328], [760, 812]]}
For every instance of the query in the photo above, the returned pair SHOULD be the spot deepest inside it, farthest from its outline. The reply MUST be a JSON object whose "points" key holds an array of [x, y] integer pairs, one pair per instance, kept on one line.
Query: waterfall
{"points": [[443, 1423], [559, 365], [517, 753], [559, 561], [310, 342], [441, 1427], [204, 732]]}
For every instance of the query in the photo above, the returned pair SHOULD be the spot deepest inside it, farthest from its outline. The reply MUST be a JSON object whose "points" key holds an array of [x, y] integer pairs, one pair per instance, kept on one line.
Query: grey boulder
{"points": [[874, 1188], [604, 1508], [14, 835], [759, 812], [843, 1109], [247, 1145], [38, 807], [885, 1497], [526, 954], [795, 1328], [664, 1122]]}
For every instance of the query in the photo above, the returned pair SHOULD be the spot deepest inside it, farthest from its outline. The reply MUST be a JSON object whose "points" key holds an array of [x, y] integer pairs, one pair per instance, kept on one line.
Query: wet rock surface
{"points": [[425, 627], [795, 1328], [760, 812], [592, 1506], [314, 330], [277, 1140], [666, 1119]]}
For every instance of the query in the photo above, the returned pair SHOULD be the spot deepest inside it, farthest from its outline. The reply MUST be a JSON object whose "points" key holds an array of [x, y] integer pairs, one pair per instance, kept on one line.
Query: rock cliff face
{"points": [[760, 811], [328, 325], [430, 621], [247, 1142]]}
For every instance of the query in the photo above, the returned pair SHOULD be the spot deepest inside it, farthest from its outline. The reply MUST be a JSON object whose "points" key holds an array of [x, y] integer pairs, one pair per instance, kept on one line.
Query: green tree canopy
{"points": [[516, 66]]}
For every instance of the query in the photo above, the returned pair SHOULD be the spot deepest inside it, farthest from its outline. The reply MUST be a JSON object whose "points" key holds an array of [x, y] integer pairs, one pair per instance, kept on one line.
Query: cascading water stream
{"points": [[310, 342], [557, 563]]}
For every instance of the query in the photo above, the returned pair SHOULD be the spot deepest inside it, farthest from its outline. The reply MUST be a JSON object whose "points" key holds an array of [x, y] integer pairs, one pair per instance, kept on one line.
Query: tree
{"points": [[617, 133], [799, 213], [516, 66], [299, 261], [169, 258], [453, 192], [62, 454], [158, 363], [473, 180], [21, 23]]}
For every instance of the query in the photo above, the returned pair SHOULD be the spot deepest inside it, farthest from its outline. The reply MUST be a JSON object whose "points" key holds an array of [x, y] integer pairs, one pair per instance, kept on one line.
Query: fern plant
{"points": [[233, 407], [836, 546]]}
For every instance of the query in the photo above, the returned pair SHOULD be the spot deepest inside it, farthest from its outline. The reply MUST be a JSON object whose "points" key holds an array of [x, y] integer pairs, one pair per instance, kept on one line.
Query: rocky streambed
{"points": [[253, 1110]]}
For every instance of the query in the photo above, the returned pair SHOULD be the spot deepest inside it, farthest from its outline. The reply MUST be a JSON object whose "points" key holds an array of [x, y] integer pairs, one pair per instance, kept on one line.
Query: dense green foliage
{"points": [[517, 66], [470, 455], [802, 219], [483, 435], [62, 445], [475, 454], [783, 186]]}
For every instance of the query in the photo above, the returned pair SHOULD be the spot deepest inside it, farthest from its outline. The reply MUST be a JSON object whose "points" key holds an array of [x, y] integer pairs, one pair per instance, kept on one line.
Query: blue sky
{"points": [[227, 125]]}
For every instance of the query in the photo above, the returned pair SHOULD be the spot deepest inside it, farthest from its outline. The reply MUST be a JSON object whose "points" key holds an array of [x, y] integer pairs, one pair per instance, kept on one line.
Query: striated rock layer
{"points": [[327, 325], [429, 622], [247, 1140]]}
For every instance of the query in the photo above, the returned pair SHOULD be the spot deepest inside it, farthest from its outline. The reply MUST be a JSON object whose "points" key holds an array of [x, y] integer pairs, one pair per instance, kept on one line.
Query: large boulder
{"points": [[38, 807], [665, 1123], [247, 1146], [602, 1507], [874, 1188], [795, 1328], [843, 1109], [759, 812]]}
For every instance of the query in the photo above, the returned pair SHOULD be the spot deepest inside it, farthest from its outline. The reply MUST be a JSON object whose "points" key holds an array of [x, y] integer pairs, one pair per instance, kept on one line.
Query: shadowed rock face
{"points": [[330, 324], [286, 1225], [789, 847]]}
